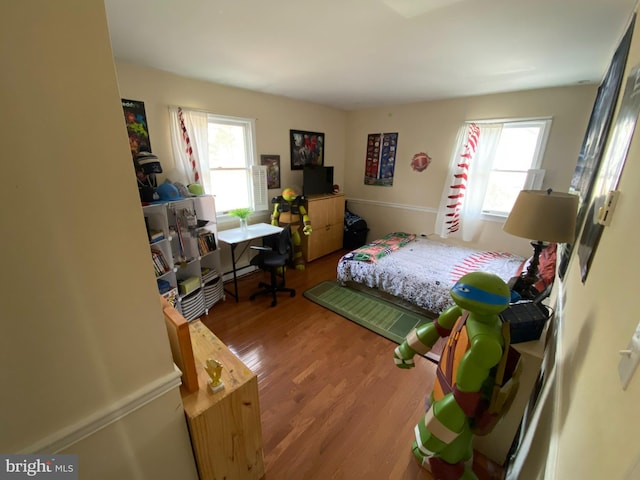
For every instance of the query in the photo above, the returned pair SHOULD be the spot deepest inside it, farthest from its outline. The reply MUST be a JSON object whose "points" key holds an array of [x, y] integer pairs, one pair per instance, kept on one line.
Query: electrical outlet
{"points": [[630, 359]]}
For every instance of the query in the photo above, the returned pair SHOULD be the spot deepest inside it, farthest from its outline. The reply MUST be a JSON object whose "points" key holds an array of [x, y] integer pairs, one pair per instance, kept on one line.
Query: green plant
{"points": [[240, 212]]}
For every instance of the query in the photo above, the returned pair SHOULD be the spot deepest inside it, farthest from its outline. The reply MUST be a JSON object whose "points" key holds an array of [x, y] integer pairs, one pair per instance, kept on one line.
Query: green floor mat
{"points": [[376, 314]]}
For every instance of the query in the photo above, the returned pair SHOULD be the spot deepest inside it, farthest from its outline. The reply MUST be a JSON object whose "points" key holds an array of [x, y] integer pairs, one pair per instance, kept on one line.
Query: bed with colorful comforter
{"points": [[418, 270]]}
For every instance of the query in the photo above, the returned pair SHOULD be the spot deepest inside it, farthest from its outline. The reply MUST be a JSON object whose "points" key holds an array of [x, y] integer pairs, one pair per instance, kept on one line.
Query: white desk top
{"points": [[257, 230]]}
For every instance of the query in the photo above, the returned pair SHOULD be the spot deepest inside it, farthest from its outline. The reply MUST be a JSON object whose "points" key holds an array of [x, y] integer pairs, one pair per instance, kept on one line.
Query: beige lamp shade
{"points": [[543, 215]]}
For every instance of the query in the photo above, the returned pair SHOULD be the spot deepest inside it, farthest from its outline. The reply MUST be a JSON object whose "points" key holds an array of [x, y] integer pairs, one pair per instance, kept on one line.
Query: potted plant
{"points": [[242, 214]]}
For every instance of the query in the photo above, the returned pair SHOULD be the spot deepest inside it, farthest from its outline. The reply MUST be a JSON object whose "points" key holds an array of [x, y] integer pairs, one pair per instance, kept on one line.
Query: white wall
{"points": [[274, 115], [595, 423], [83, 339], [412, 202]]}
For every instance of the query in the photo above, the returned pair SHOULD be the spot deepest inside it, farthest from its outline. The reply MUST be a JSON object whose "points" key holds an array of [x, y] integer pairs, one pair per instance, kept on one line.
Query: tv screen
{"points": [[317, 180]]}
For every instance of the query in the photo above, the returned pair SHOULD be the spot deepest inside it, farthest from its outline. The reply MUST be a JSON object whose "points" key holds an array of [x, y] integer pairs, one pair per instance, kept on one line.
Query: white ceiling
{"points": [[352, 54]]}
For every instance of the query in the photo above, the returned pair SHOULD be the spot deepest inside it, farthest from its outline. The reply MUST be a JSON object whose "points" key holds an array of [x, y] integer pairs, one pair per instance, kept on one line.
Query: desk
{"points": [[235, 236]]}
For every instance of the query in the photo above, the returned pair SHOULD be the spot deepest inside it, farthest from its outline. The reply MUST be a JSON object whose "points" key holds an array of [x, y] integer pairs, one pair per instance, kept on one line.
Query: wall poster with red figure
{"points": [[137, 129], [381, 159]]}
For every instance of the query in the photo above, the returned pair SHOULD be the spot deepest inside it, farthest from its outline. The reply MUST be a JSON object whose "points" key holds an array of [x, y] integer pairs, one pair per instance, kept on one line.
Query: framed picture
{"points": [[610, 169], [595, 138], [272, 162], [307, 148]]}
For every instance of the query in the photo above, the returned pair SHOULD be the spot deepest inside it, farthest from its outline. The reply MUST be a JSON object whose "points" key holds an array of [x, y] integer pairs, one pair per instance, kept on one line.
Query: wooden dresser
{"points": [[326, 214], [225, 428]]}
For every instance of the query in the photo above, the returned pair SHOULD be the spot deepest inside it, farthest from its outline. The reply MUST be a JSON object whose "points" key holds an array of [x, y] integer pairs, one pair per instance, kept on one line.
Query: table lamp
{"points": [[541, 216]]}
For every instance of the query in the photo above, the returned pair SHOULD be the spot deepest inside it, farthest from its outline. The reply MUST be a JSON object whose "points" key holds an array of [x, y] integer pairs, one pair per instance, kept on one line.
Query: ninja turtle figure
{"points": [[288, 209], [470, 392]]}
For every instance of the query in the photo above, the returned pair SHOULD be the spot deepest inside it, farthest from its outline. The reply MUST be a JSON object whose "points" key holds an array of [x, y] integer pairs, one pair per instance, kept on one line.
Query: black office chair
{"points": [[273, 256]]}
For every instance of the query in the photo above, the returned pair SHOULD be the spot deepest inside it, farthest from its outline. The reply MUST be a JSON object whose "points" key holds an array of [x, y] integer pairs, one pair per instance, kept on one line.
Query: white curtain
{"points": [[190, 144], [461, 203]]}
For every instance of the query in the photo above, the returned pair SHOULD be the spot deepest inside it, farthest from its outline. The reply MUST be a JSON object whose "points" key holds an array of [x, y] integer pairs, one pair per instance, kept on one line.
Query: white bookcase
{"points": [[183, 243]]}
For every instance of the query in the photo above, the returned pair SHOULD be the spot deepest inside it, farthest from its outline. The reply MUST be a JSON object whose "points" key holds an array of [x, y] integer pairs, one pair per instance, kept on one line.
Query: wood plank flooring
{"points": [[333, 403]]}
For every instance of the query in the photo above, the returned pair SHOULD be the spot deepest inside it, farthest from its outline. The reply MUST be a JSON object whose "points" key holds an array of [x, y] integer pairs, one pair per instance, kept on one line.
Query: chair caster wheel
{"points": [[292, 294], [274, 303], [252, 297]]}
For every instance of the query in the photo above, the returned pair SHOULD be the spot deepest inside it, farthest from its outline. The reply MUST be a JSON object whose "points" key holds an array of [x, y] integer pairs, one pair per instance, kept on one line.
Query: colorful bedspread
{"points": [[423, 271]]}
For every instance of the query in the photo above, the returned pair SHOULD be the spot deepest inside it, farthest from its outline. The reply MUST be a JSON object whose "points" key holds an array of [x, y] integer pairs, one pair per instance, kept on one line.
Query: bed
{"points": [[418, 271]]}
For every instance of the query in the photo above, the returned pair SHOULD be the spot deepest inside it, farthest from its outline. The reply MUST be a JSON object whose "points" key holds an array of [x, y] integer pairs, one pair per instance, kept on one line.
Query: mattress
{"points": [[422, 271]]}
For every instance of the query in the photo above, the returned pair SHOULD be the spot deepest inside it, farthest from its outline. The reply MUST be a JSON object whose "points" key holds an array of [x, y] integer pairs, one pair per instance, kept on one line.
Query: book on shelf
{"points": [[206, 242], [156, 236], [159, 262]]}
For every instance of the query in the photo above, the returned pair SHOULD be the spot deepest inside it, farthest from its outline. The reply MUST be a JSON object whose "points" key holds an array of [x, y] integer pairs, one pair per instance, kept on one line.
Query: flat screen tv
{"points": [[317, 180]]}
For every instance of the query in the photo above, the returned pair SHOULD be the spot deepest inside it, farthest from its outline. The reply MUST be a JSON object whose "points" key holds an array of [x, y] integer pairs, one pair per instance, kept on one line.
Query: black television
{"points": [[317, 180]]}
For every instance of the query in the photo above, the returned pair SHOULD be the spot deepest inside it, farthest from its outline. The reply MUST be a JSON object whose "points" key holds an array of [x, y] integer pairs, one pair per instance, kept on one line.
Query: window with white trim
{"points": [[516, 164], [234, 174]]}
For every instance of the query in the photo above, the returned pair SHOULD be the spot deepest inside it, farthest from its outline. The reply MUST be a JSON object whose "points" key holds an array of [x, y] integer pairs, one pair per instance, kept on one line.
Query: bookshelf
{"points": [[183, 245]]}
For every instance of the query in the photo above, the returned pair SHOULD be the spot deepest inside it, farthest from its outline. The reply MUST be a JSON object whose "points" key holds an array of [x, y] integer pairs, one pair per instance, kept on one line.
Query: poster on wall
{"points": [[307, 149], [272, 162], [595, 138], [381, 159], [610, 169], [136, 121]]}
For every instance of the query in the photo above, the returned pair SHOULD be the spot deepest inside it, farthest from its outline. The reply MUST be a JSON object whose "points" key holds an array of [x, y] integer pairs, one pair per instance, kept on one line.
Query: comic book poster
{"points": [[137, 129], [381, 159]]}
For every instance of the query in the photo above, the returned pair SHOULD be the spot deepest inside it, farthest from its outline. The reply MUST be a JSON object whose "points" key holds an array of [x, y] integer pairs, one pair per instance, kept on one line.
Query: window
{"points": [[234, 176], [492, 161], [515, 165]]}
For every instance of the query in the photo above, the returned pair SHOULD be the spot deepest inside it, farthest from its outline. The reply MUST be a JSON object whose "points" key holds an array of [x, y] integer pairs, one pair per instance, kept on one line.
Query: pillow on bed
{"points": [[381, 247], [546, 267], [396, 238], [371, 252]]}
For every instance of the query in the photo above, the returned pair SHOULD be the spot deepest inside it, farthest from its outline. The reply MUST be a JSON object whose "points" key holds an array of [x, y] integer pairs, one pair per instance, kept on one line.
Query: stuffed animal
{"points": [[288, 209], [468, 384]]}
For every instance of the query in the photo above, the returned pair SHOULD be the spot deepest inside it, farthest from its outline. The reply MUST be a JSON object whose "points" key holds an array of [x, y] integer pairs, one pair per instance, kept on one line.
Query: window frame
{"points": [[251, 159], [534, 174]]}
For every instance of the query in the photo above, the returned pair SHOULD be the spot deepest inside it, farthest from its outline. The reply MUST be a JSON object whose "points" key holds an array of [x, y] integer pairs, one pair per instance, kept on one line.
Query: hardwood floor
{"points": [[333, 403]]}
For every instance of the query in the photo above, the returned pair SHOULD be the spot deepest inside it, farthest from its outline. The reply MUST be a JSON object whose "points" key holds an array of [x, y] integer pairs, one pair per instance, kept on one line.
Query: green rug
{"points": [[376, 314]]}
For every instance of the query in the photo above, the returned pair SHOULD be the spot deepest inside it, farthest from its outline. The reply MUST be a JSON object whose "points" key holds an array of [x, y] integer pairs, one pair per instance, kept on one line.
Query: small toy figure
{"points": [[468, 385], [288, 209], [214, 369]]}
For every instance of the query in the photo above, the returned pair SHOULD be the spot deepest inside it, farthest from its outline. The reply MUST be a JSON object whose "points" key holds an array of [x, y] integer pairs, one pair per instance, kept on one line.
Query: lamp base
{"points": [[524, 286]]}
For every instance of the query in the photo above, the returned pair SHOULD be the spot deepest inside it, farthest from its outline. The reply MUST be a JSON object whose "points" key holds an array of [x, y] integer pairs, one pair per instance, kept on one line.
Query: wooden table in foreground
{"points": [[225, 428]]}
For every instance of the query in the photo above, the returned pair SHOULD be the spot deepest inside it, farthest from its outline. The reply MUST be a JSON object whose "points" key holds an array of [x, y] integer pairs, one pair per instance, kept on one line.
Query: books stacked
{"points": [[155, 236], [160, 264], [206, 242]]}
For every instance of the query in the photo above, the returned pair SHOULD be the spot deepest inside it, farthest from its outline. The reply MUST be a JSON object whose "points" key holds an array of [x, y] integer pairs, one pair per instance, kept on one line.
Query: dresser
{"points": [[326, 214], [225, 429]]}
